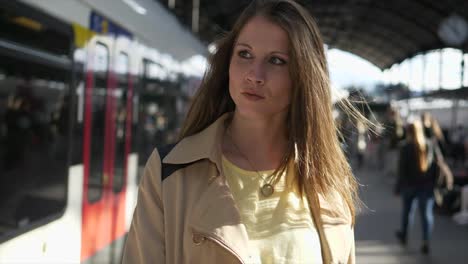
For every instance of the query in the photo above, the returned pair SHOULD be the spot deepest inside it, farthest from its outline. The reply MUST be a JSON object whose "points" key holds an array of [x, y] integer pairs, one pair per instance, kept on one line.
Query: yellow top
{"points": [[280, 227]]}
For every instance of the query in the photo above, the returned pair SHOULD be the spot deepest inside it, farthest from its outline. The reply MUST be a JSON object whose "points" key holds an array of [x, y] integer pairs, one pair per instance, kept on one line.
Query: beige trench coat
{"points": [[186, 213]]}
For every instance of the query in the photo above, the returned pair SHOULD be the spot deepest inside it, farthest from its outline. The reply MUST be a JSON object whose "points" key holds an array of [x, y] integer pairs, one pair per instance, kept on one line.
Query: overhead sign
{"points": [[102, 25]]}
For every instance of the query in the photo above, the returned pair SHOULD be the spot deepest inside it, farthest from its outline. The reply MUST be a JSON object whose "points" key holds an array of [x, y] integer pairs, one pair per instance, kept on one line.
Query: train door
{"points": [[97, 188], [109, 88], [119, 142]]}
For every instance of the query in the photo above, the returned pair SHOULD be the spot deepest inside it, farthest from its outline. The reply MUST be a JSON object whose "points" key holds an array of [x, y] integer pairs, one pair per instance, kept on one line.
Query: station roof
{"points": [[382, 32]]}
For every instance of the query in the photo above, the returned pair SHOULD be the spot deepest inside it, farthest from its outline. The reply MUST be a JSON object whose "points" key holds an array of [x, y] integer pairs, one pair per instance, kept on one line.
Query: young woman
{"points": [[416, 180], [258, 175], [433, 133]]}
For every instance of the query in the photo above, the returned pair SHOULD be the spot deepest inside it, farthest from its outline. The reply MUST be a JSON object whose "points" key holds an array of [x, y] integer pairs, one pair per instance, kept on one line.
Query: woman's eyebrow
{"points": [[250, 47], [243, 44], [281, 52]]}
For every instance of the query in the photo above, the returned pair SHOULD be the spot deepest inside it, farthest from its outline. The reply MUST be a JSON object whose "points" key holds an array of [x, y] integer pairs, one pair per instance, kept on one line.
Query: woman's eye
{"points": [[244, 54], [277, 61]]}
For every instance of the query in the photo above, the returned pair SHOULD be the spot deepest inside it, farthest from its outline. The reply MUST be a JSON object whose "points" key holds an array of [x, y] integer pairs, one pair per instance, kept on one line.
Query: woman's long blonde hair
{"points": [[415, 135], [313, 137]]}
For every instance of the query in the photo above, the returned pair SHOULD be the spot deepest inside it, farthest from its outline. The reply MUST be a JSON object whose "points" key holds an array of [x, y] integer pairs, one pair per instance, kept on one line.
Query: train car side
{"points": [[82, 102]]}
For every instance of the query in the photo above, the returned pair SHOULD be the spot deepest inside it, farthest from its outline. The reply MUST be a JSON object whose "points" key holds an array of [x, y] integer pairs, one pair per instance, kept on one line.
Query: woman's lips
{"points": [[253, 97]]}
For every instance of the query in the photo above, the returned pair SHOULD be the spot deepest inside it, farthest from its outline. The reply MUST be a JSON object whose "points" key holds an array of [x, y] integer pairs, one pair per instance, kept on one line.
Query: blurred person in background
{"points": [[393, 134], [416, 181], [258, 175], [458, 142], [445, 197], [361, 143]]}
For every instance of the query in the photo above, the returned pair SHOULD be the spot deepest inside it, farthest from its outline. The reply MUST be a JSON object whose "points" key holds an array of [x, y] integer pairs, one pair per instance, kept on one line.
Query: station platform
{"points": [[376, 225]]}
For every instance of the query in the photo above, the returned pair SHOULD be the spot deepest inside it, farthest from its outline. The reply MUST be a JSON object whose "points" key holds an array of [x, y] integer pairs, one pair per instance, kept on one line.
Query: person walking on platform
{"points": [[258, 175], [393, 134], [416, 180], [444, 197]]}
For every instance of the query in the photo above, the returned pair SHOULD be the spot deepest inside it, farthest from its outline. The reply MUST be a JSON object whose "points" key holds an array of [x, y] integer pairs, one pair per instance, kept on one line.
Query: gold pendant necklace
{"points": [[267, 189]]}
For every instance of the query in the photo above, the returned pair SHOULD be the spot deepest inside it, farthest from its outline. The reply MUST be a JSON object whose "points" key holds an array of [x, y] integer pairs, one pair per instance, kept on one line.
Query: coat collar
{"points": [[201, 145]]}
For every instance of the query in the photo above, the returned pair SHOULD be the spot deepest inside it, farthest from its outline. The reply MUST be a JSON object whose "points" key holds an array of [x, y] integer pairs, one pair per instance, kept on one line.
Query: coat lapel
{"points": [[217, 216]]}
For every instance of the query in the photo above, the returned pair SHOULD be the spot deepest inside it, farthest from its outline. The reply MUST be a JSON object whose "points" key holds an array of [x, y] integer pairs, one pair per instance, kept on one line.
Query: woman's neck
{"points": [[262, 141]]}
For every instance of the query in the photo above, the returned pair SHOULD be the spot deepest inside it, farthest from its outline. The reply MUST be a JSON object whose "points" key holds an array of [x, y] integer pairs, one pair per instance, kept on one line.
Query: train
{"points": [[87, 89]]}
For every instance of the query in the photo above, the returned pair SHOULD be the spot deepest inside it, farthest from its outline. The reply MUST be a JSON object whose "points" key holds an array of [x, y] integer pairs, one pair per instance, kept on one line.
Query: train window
{"points": [[26, 26], [158, 114], [101, 59], [120, 120], [34, 148], [149, 136], [77, 114], [98, 108]]}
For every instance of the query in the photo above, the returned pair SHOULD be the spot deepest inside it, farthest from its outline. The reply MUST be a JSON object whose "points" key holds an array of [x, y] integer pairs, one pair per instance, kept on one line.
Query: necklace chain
{"points": [[267, 189]]}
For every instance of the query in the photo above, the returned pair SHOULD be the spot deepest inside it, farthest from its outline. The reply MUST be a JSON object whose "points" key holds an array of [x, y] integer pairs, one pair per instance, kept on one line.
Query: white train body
{"points": [[87, 89]]}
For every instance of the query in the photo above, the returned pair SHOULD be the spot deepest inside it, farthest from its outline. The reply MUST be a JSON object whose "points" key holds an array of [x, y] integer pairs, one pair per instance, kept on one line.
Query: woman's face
{"points": [[259, 79]]}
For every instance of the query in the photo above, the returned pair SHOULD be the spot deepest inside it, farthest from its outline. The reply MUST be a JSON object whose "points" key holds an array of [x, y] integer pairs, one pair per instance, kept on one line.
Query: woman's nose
{"points": [[256, 74]]}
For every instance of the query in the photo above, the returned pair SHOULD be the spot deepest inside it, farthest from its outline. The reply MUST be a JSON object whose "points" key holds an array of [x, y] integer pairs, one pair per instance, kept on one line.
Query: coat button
{"points": [[198, 239]]}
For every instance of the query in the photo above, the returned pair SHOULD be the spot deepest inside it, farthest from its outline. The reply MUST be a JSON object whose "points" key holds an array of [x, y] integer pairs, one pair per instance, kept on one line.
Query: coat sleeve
{"points": [[145, 241]]}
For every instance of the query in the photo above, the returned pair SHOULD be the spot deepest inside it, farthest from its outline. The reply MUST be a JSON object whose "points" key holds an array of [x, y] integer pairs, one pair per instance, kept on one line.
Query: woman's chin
{"points": [[254, 112]]}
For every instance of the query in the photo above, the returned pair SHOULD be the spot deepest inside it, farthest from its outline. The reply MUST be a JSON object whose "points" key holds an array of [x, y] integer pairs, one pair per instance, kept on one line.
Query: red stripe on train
{"points": [[103, 221]]}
